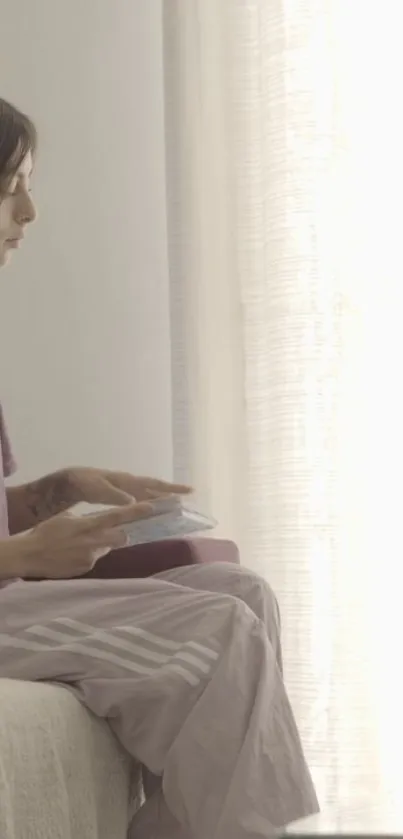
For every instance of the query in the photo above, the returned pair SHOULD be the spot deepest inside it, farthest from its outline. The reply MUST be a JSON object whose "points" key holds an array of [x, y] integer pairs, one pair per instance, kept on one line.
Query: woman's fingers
{"points": [[158, 495], [166, 488], [106, 492]]}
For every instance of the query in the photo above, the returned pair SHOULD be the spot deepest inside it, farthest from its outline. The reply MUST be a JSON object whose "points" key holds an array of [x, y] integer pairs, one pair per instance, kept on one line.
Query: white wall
{"points": [[84, 316]]}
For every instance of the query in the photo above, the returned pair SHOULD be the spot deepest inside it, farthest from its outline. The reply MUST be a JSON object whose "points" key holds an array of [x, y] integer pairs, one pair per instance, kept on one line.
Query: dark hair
{"points": [[17, 137]]}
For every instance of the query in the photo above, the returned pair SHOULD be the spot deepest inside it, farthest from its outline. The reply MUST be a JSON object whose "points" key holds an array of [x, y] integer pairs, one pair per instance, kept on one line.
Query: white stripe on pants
{"points": [[185, 667]]}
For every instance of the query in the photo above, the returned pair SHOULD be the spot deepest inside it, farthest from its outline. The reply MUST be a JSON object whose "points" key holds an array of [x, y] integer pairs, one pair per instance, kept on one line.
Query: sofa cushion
{"points": [[62, 772]]}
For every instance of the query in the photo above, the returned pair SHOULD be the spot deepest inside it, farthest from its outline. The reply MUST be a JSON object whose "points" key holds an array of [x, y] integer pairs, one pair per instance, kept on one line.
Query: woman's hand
{"points": [[68, 545], [102, 486]]}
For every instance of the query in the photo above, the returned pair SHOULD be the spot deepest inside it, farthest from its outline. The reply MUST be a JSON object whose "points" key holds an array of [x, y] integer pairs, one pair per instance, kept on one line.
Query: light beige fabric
{"points": [[62, 773]]}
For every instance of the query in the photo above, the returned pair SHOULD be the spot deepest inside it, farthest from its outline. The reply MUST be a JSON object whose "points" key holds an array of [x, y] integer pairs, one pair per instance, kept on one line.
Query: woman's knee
{"points": [[246, 584]]}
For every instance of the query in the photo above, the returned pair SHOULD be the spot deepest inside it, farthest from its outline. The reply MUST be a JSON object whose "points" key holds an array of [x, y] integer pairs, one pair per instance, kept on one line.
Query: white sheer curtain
{"points": [[284, 174]]}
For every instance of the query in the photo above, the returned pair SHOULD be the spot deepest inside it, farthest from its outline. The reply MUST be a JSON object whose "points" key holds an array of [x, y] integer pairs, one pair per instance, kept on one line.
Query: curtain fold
{"points": [[283, 157]]}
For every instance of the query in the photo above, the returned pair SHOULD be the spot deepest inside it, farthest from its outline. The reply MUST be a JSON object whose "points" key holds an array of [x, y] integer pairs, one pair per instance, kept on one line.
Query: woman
{"points": [[186, 657]]}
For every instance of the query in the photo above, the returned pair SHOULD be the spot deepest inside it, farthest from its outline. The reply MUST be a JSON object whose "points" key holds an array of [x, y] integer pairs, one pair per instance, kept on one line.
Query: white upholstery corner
{"points": [[63, 775]]}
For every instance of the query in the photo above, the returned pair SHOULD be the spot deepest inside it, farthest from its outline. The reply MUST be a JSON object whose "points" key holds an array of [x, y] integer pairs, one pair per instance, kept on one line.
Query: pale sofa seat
{"points": [[63, 774]]}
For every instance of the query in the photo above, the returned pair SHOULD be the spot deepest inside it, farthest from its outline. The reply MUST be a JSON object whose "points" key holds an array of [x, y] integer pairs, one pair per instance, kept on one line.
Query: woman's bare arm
{"points": [[32, 503]]}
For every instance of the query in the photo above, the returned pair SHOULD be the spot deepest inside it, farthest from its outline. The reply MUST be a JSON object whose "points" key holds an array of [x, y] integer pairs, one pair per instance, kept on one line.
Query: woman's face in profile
{"points": [[16, 209]]}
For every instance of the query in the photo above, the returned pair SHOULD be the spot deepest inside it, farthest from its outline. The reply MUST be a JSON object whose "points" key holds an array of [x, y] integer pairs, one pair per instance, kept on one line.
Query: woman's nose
{"points": [[26, 212]]}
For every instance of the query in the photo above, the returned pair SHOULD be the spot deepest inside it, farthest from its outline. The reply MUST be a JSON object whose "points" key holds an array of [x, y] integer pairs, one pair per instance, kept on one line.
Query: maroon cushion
{"points": [[154, 557]]}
